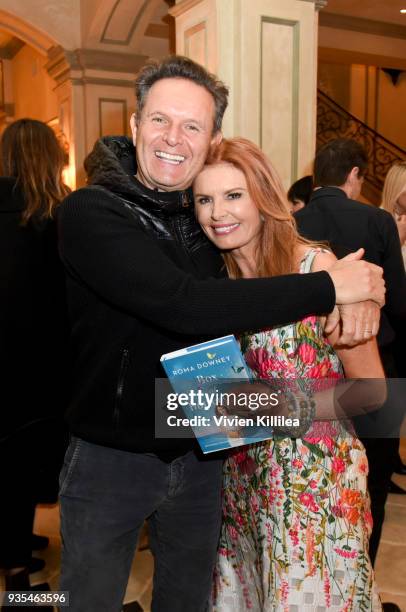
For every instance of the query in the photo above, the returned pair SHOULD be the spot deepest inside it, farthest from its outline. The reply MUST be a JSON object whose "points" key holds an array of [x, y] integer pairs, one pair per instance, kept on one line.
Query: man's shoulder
{"points": [[91, 194]]}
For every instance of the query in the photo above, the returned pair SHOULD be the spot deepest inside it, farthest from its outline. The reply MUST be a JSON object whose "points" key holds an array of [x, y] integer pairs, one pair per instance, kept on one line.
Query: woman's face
{"points": [[224, 207], [400, 204]]}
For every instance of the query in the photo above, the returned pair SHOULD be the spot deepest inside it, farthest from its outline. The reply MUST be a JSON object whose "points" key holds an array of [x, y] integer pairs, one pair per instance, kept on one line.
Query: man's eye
{"points": [[235, 195], [158, 119], [192, 128]]}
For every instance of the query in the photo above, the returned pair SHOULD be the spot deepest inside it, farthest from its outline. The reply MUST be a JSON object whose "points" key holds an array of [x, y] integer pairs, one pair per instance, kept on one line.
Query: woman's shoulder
{"points": [[314, 258]]}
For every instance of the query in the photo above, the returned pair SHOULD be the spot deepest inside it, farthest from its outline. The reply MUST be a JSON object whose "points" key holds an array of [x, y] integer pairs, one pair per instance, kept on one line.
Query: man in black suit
{"points": [[334, 215]]}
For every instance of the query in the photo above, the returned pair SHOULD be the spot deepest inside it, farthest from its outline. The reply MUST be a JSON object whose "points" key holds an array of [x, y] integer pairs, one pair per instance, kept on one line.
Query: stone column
{"points": [[266, 52], [95, 91]]}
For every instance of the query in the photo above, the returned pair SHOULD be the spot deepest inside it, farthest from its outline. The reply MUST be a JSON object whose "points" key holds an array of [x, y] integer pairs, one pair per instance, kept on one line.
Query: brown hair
{"points": [[31, 153], [177, 66], [279, 237], [335, 160]]}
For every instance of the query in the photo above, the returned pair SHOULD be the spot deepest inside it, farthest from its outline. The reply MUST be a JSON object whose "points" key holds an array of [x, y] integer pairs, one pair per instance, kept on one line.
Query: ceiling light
{"points": [[403, 11]]}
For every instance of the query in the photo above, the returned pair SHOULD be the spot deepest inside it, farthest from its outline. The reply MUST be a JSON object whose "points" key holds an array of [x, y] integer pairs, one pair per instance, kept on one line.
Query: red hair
{"points": [[279, 237]]}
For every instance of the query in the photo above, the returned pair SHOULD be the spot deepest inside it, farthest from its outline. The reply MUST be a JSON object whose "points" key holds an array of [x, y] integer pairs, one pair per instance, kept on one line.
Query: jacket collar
{"points": [[112, 164], [324, 192]]}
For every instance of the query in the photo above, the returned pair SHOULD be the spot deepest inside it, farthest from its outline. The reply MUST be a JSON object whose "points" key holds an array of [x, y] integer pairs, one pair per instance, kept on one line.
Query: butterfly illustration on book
{"points": [[211, 355], [237, 369]]}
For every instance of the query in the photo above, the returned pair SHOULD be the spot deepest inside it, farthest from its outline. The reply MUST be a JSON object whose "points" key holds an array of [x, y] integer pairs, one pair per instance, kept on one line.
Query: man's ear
{"points": [[354, 174], [133, 126], [217, 138]]}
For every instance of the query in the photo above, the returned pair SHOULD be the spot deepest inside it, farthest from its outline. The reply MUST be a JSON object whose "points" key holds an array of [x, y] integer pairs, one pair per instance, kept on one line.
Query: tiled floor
{"points": [[390, 566]]}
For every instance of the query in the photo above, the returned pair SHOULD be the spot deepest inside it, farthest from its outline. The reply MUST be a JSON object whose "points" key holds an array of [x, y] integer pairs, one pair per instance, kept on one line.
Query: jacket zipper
{"points": [[120, 386]]}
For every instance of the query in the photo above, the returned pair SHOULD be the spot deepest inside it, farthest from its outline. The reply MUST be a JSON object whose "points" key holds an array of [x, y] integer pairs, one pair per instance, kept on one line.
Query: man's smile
{"points": [[170, 157]]}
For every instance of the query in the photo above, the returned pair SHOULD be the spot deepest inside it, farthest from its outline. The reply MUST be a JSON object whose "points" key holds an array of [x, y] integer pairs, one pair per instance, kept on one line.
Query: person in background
{"points": [[33, 340], [300, 193], [334, 215], [394, 201]]}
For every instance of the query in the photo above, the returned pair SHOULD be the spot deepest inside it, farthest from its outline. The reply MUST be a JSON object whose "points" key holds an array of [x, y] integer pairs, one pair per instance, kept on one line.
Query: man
{"points": [[141, 283], [335, 215]]}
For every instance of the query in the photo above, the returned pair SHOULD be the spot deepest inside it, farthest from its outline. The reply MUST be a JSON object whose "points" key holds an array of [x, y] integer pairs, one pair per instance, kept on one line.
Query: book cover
{"points": [[201, 373]]}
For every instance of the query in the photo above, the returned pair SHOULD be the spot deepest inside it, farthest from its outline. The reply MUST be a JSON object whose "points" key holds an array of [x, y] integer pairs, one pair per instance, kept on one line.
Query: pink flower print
{"points": [[338, 511], [233, 532], [239, 456], [307, 353], [284, 592], [306, 499], [316, 440], [338, 465], [294, 537], [254, 504], [312, 484], [327, 595], [240, 519], [255, 358], [310, 550], [277, 368], [311, 321], [368, 519], [297, 463], [347, 554]]}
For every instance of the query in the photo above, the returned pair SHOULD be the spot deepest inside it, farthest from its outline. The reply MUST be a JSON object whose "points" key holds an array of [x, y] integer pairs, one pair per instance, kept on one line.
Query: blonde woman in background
{"points": [[394, 200]]}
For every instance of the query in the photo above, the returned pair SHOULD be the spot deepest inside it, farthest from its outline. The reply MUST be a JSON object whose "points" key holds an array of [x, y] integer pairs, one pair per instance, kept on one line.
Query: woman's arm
{"points": [[361, 363]]}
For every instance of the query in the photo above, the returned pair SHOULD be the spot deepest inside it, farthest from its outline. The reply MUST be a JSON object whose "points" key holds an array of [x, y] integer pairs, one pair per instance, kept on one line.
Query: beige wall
{"points": [[391, 111], [334, 80], [59, 20], [369, 94], [361, 42], [33, 88]]}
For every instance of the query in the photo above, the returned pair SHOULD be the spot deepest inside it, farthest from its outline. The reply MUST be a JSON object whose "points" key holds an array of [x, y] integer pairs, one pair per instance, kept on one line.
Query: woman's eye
{"points": [[235, 195], [203, 200]]}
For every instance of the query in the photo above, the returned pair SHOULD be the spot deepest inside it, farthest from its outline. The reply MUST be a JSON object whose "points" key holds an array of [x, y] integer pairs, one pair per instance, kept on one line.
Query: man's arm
{"points": [[103, 247]]}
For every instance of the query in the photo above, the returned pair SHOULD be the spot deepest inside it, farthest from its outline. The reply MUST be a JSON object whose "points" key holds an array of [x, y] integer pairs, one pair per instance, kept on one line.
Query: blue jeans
{"points": [[105, 496]]}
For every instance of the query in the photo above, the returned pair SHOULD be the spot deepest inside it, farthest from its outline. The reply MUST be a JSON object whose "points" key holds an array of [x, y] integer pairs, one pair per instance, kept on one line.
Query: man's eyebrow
{"points": [[187, 120]]}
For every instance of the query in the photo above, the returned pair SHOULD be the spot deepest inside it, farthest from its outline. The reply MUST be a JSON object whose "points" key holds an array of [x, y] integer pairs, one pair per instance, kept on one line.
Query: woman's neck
{"points": [[245, 259]]}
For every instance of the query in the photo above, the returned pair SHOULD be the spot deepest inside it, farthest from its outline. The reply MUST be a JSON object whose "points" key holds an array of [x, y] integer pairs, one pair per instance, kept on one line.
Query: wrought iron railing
{"points": [[333, 121]]}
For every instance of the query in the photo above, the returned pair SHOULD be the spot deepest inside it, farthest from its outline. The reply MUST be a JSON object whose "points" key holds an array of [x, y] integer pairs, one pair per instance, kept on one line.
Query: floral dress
{"points": [[296, 516]]}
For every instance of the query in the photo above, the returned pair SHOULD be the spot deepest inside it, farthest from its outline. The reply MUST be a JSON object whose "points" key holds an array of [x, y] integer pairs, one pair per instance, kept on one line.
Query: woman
{"points": [[394, 199], [33, 333], [296, 514]]}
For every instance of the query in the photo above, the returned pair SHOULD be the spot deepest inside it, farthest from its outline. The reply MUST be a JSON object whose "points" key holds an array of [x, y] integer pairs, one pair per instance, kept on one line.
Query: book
{"points": [[202, 375]]}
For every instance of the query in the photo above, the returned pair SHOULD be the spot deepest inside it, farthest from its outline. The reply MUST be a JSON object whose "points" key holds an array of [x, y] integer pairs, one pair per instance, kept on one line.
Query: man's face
{"points": [[174, 134]]}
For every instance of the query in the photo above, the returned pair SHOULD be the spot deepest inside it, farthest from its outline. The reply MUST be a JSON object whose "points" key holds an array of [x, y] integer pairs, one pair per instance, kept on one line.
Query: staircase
{"points": [[333, 121]]}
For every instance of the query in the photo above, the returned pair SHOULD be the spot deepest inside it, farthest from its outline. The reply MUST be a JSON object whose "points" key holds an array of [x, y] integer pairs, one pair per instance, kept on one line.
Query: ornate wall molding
{"points": [[63, 64], [319, 3], [358, 24]]}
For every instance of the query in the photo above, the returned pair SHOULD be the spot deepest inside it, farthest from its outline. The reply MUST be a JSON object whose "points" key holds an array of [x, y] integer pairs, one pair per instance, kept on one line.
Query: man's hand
{"points": [[359, 323], [356, 281]]}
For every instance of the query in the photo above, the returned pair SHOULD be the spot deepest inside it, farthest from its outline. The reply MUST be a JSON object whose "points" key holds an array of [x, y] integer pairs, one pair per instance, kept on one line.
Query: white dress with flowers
{"points": [[296, 516]]}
